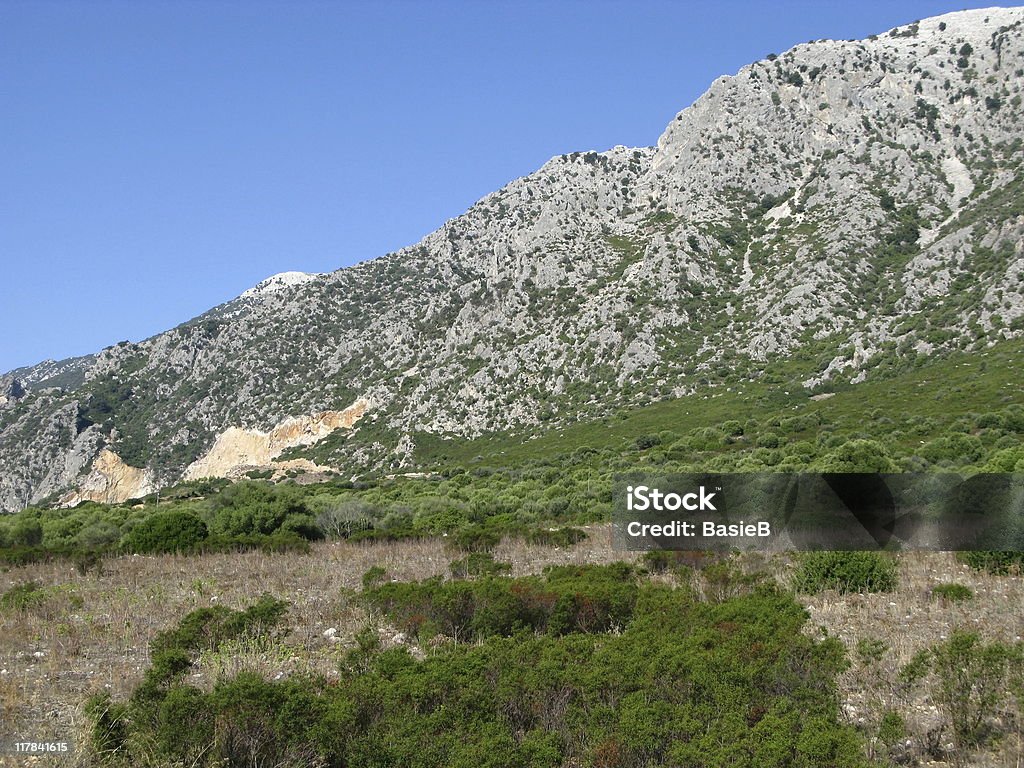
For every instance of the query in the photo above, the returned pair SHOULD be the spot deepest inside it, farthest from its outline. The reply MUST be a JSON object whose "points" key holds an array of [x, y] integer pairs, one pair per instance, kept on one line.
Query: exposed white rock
{"points": [[279, 281]]}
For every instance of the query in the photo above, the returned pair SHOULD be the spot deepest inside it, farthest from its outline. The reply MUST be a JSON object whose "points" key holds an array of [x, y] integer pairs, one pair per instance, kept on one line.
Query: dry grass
{"points": [[92, 632], [910, 620]]}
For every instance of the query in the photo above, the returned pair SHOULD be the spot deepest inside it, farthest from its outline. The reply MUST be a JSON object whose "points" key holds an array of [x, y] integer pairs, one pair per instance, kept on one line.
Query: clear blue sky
{"points": [[158, 158]]}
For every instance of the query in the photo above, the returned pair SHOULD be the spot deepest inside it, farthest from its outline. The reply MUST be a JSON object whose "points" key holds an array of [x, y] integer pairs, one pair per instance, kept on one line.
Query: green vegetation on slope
{"points": [[677, 682], [932, 400], [964, 413]]}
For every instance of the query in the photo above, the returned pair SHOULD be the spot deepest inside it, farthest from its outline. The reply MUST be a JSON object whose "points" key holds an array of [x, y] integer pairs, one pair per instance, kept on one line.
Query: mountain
{"points": [[851, 206]]}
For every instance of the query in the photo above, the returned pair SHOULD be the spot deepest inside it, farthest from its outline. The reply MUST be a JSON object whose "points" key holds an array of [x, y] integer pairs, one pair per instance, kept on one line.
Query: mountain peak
{"points": [[279, 281]]}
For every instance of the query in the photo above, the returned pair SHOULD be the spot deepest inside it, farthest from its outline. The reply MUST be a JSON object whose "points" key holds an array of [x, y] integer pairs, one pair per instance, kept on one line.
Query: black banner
{"points": [[850, 511]]}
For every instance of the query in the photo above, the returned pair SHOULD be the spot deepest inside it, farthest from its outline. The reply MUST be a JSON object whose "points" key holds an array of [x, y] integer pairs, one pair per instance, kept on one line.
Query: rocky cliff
{"points": [[856, 203]]}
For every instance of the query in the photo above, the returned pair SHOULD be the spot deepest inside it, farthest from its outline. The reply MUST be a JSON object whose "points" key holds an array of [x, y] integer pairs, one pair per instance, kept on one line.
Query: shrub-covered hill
{"points": [[963, 413]]}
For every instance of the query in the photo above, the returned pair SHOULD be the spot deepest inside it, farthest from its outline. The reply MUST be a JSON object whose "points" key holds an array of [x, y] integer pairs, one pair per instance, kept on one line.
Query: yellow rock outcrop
{"points": [[111, 481], [237, 449]]}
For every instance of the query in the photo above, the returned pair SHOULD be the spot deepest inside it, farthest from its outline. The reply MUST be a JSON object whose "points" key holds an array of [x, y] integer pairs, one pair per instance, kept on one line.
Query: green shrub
{"points": [[952, 593], [998, 563], [99, 535], [646, 442], [166, 532], [21, 597], [973, 681], [870, 651], [437, 515], [254, 508], [374, 575], [47, 602], [732, 428], [915, 670], [659, 560], [556, 537], [18, 556], [859, 456], [956, 448], [109, 723], [302, 525], [892, 729], [209, 627], [681, 683], [173, 653], [564, 600], [478, 564], [475, 538], [845, 572], [26, 532]]}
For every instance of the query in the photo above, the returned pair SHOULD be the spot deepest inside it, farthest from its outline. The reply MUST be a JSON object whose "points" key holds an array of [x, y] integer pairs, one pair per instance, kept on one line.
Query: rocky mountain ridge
{"points": [[856, 203]]}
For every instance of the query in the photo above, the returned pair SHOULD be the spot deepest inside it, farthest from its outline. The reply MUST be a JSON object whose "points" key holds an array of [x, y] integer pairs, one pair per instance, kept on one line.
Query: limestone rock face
{"points": [[11, 390], [111, 481], [854, 201], [236, 450], [277, 282]]}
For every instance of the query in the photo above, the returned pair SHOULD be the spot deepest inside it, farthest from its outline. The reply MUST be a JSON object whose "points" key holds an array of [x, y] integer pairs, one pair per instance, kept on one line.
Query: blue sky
{"points": [[158, 158]]}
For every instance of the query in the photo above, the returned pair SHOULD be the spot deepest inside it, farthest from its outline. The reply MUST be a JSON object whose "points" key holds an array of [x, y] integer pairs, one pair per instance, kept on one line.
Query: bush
{"points": [[658, 560], [98, 535], [845, 572], [998, 563], [253, 507], [957, 448], [478, 564], [475, 538], [21, 597], [556, 537], [109, 726], [682, 683], [972, 684], [340, 517], [303, 526], [564, 600], [208, 627], [374, 575], [870, 651], [952, 593], [646, 442], [732, 428], [892, 728], [26, 532], [859, 456], [166, 532], [161, 707], [436, 515]]}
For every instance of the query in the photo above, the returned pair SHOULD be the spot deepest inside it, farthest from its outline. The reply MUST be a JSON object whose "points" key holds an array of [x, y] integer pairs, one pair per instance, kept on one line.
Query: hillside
{"points": [[837, 212]]}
